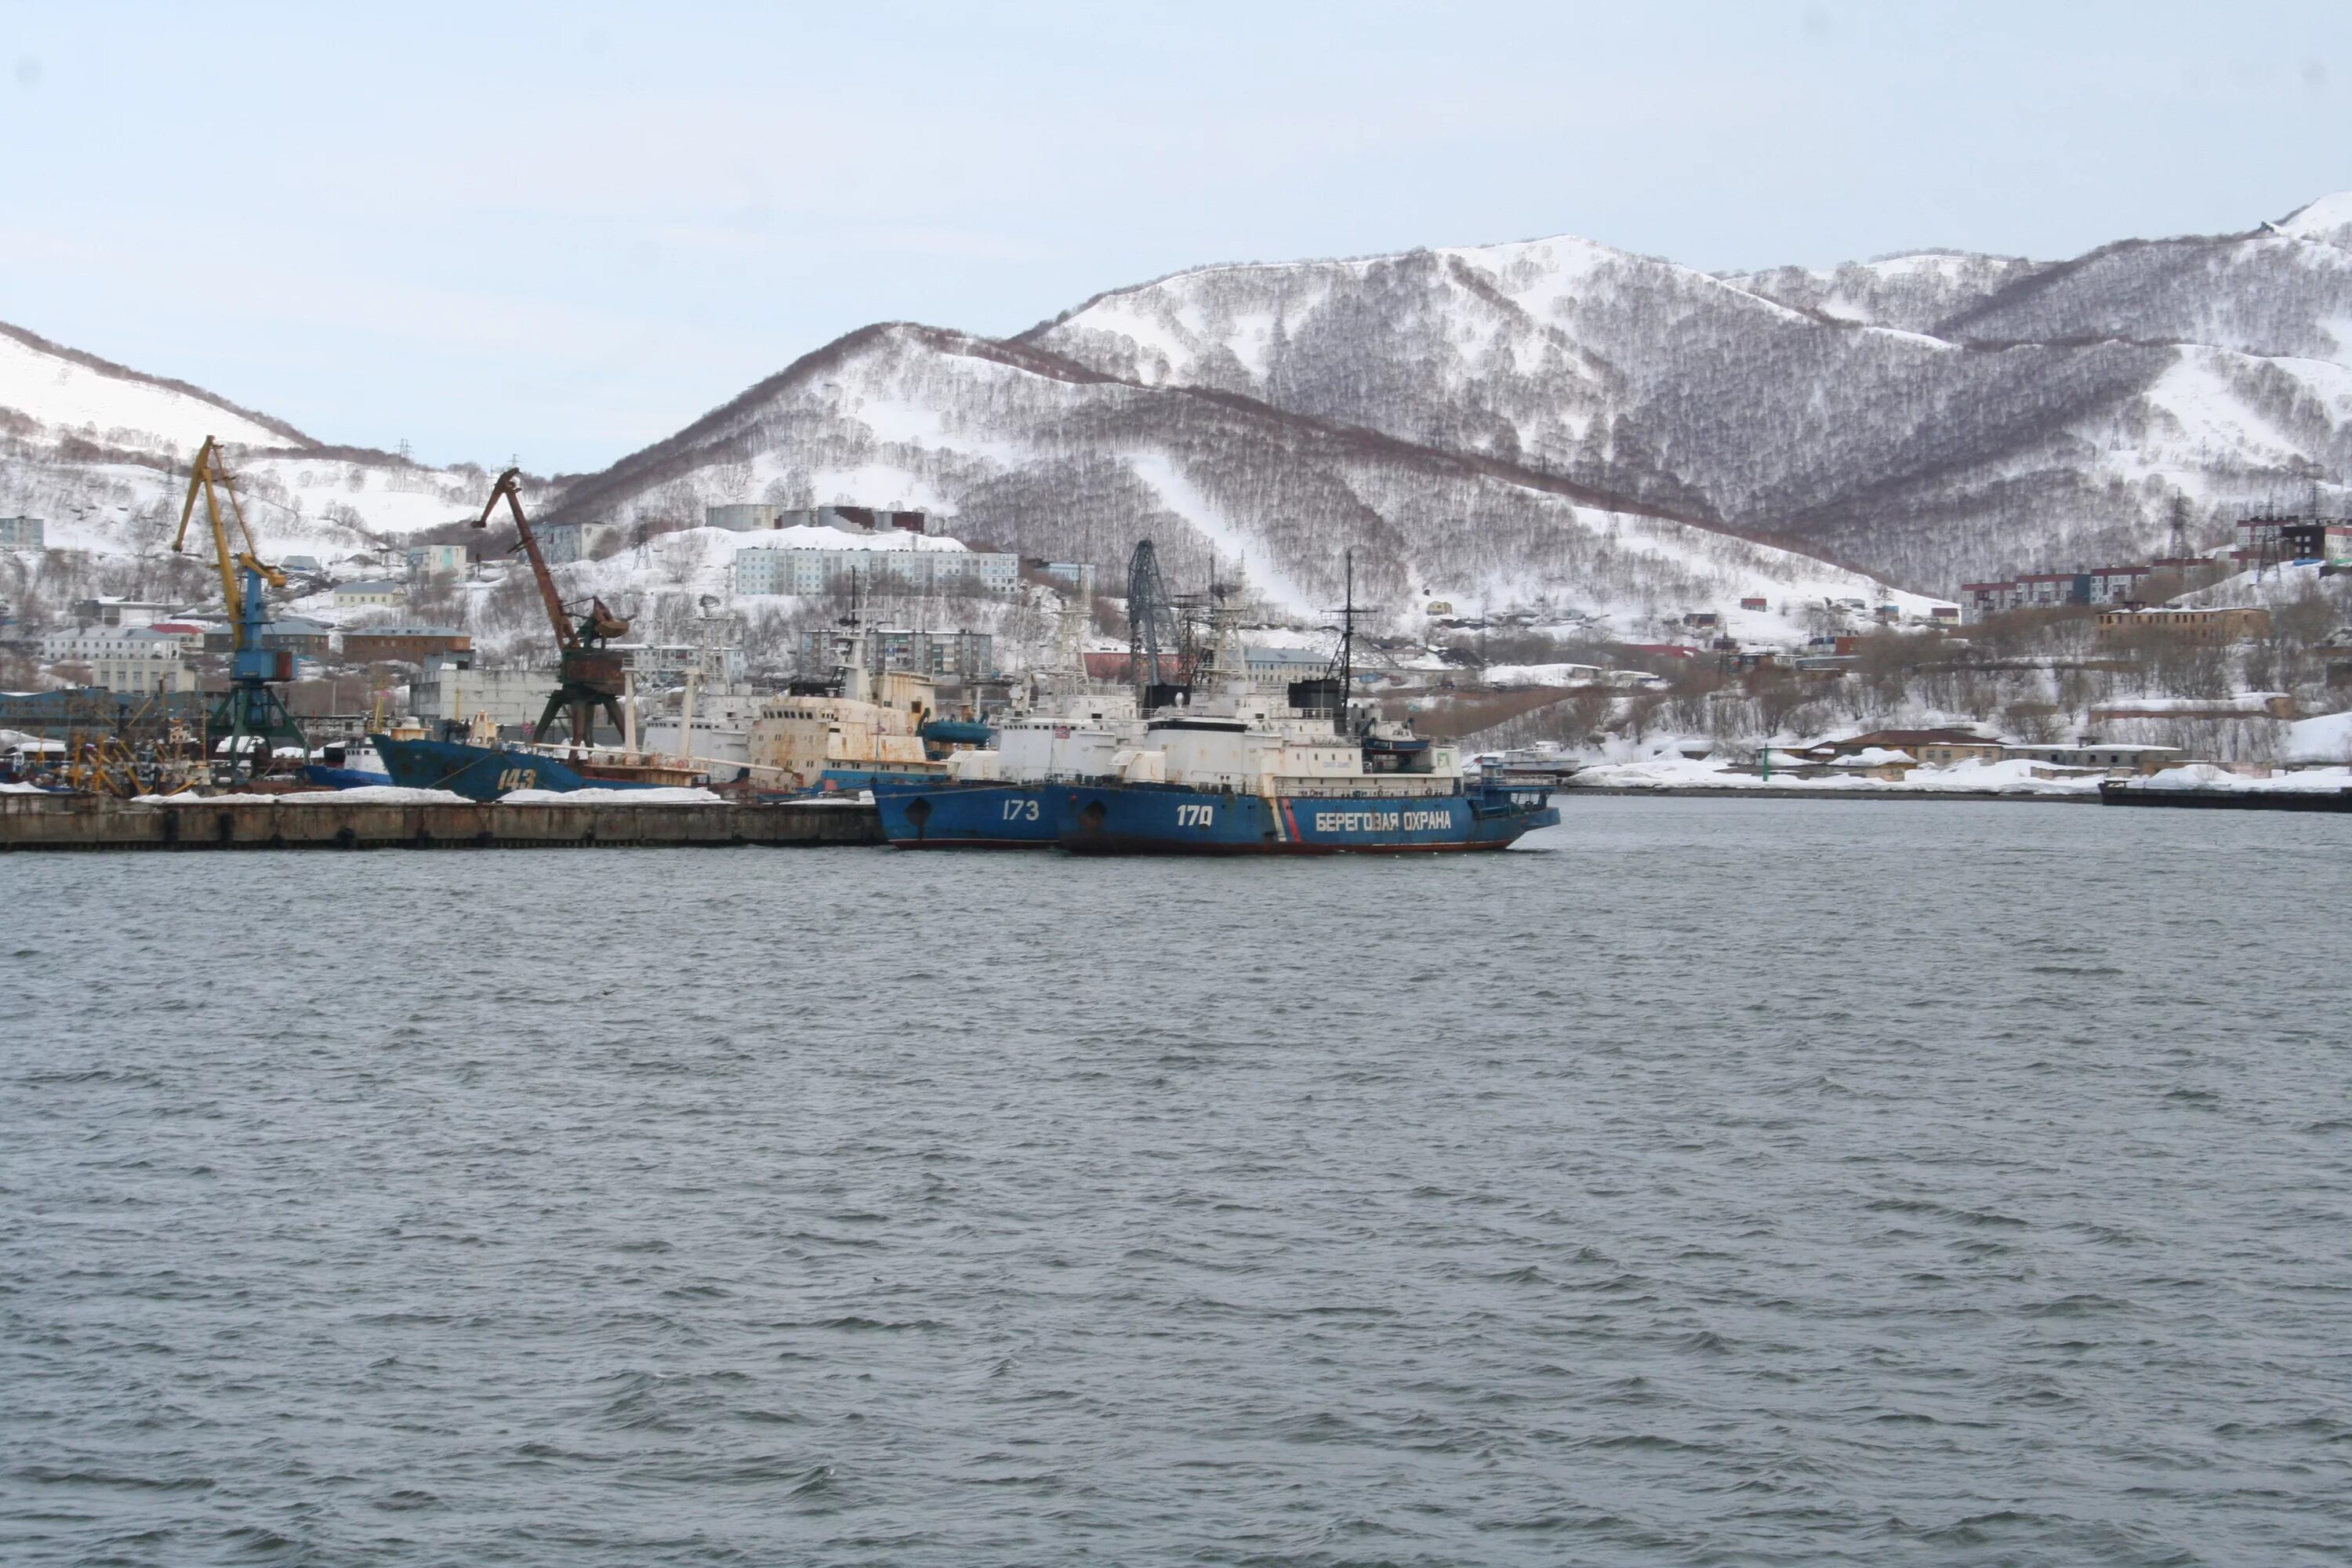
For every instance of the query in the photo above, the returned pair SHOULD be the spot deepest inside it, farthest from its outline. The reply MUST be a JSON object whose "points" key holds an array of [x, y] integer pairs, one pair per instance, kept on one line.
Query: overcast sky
{"points": [[562, 231]]}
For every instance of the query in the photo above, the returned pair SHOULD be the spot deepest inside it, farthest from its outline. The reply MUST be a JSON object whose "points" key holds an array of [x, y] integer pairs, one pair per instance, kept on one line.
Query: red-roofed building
{"points": [[1111, 667]]}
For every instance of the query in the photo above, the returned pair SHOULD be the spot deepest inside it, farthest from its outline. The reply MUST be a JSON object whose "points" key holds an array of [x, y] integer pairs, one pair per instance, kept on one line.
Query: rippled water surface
{"points": [[1704, 1182]]}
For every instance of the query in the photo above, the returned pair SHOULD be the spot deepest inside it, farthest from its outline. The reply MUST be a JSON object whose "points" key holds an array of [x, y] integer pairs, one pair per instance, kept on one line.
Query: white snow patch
{"points": [[2327, 219], [1187, 502], [681, 796], [2207, 776], [2326, 739], [69, 396], [1707, 773], [1542, 674], [383, 794]]}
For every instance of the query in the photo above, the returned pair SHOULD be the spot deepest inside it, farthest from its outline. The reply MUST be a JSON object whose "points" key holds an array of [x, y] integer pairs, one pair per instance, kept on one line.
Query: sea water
{"points": [[1703, 1181]]}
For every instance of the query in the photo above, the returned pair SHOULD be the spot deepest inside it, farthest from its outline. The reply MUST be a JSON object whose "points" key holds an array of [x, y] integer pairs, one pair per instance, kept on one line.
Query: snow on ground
{"points": [[2279, 585], [1542, 674], [2329, 218], [384, 795], [295, 505], [682, 796], [902, 422], [2254, 704], [2326, 739], [885, 485], [2206, 776], [2196, 391], [1136, 316], [1155, 469], [2016, 777], [72, 398]]}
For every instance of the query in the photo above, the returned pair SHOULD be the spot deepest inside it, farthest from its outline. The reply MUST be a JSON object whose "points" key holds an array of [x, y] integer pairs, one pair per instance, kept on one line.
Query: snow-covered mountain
{"points": [[1031, 451], [101, 452], [1558, 419], [1546, 424]]}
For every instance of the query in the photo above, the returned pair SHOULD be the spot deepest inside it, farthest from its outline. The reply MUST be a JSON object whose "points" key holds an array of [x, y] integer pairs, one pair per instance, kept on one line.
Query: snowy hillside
{"points": [[1550, 425], [1932, 417], [1031, 453], [101, 454], [1912, 293], [50, 394]]}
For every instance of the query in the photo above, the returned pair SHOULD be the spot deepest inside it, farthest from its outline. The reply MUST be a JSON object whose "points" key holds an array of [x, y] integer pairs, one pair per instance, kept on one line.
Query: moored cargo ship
{"points": [[489, 771]]}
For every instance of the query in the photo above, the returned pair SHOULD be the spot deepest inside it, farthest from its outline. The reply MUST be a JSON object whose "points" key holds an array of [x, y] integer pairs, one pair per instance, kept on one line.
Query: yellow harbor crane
{"points": [[252, 717]]}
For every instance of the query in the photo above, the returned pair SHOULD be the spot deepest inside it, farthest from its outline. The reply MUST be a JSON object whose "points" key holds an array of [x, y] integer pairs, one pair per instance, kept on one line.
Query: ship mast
{"points": [[1347, 636]]}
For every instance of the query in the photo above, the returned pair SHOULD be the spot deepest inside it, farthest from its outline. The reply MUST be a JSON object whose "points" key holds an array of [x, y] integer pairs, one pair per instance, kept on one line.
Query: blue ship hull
{"points": [[479, 772], [943, 815], [1172, 819], [343, 778]]}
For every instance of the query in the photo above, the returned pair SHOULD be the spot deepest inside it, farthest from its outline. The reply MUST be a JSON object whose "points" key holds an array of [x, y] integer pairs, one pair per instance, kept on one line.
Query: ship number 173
{"points": [[1195, 815], [1020, 811]]}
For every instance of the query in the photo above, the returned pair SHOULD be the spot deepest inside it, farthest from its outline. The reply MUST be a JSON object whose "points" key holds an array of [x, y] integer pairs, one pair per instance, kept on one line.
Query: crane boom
{"points": [[208, 475], [251, 717], [509, 485], [592, 675], [200, 477]]}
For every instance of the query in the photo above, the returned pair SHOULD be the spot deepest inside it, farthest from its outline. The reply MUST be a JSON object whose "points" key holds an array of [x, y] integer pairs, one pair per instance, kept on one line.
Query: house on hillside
{"points": [[2281, 539], [564, 543], [1952, 745], [2110, 756], [373, 590], [125, 612], [402, 644], [296, 635], [2226, 625], [760, 517], [435, 560]]}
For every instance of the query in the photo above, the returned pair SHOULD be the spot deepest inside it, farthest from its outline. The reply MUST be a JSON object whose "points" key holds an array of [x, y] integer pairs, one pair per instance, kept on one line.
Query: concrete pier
{"points": [[58, 822]]}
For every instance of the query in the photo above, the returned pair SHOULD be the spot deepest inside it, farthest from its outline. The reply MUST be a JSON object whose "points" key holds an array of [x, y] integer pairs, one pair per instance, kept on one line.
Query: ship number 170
{"points": [[1195, 815], [1020, 811]]}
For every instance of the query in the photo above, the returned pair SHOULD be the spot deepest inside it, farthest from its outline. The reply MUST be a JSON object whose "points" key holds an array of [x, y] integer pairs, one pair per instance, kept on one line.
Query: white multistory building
{"points": [[884, 567], [129, 659]]}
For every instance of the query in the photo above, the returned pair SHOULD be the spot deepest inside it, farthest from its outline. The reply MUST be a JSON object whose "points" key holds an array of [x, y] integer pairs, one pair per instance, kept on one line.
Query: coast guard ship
{"points": [[1240, 777], [1239, 774]]}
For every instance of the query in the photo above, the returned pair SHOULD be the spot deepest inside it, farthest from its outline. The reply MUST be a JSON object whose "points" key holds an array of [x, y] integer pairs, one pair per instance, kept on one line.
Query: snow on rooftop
{"points": [[817, 537]]}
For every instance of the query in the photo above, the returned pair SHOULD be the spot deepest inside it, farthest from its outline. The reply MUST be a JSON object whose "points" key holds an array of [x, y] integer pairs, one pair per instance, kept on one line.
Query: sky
{"points": [[561, 232]]}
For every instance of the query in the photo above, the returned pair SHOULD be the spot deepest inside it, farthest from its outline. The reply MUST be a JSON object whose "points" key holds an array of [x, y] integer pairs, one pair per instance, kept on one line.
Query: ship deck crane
{"points": [[591, 675], [251, 716]]}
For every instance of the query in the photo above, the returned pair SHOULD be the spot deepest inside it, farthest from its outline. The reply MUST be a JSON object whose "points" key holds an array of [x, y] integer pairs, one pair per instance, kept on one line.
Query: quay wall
{"points": [[52, 822]]}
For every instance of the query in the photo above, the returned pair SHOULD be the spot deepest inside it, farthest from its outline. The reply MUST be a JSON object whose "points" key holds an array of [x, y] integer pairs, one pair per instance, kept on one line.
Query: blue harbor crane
{"points": [[251, 719]]}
